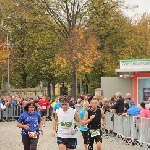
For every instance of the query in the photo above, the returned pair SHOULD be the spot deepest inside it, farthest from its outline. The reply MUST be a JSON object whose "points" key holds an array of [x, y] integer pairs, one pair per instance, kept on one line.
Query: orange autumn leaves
{"points": [[3, 54], [79, 52]]}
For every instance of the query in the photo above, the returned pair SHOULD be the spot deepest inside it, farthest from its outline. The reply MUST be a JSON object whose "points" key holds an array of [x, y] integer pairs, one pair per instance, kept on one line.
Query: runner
{"points": [[30, 122], [44, 104], [64, 119], [93, 119], [56, 106], [84, 129]]}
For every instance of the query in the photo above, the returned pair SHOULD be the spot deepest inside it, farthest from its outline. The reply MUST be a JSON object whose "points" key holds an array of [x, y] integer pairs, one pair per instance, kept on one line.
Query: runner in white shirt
{"points": [[66, 133]]}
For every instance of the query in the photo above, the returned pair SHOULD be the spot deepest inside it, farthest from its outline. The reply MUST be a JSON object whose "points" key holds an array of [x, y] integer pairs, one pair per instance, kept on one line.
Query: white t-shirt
{"points": [[2, 106], [65, 123]]}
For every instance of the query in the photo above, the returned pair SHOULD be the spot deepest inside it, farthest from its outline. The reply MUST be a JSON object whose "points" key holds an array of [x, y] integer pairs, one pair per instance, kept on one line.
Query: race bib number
{"points": [[66, 124], [32, 135], [43, 107], [94, 132]]}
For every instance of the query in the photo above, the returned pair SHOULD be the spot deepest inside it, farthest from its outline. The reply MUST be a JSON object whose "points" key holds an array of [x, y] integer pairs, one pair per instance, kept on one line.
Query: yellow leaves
{"points": [[79, 52], [3, 53]]}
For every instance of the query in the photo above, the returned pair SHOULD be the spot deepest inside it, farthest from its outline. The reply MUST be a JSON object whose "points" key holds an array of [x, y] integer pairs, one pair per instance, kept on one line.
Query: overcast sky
{"points": [[143, 6]]}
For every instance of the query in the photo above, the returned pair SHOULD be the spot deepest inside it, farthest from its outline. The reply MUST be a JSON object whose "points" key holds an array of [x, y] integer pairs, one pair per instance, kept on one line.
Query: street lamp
{"points": [[9, 45]]}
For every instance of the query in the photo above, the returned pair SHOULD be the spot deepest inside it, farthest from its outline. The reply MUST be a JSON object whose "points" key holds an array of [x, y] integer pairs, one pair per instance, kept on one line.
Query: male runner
{"points": [[44, 104], [93, 118], [64, 119]]}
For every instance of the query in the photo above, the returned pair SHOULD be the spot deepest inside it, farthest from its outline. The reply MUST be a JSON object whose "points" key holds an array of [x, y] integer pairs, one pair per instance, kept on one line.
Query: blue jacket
{"points": [[133, 111]]}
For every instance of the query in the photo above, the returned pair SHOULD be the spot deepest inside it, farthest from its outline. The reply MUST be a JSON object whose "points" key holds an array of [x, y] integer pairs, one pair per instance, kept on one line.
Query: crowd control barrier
{"points": [[131, 129], [12, 113]]}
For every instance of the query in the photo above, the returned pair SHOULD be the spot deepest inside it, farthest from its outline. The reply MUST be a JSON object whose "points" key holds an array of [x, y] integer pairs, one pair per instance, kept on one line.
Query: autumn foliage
{"points": [[3, 53], [79, 52]]}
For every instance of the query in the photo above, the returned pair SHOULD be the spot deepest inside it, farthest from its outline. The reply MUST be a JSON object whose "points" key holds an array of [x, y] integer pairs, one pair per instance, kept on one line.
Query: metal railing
{"points": [[131, 129], [12, 113]]}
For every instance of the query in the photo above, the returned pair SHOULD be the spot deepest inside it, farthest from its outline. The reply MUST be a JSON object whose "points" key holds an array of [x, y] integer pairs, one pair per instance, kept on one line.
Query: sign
{"points": [[135, 64], [146, 94]]}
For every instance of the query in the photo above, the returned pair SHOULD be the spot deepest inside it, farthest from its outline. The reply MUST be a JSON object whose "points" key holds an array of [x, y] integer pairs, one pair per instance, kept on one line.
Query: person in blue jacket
{"points": [[84, 129], [31, 123], [133, 110]]}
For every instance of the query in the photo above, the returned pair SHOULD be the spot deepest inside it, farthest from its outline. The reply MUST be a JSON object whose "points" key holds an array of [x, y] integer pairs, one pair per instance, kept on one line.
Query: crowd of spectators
{"points": [[117, 104]]}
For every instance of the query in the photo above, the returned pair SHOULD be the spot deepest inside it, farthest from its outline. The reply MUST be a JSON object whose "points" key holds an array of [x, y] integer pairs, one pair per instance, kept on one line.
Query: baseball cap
{"points": [[131, 102]]}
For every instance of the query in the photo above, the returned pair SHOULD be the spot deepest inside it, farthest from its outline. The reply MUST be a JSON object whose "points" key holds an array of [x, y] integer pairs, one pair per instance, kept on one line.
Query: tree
{"points": [[68, 15], [78, 54], [34, 39]]}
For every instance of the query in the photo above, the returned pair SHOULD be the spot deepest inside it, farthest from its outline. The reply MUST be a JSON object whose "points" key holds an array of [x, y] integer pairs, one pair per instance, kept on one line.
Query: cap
{"points": [[131, 102]]}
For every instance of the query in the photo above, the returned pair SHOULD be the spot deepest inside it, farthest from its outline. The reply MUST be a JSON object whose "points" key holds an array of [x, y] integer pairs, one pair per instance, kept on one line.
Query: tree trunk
{"points": [[73, 89], [24, 80], [48, 89], [86, 88]]}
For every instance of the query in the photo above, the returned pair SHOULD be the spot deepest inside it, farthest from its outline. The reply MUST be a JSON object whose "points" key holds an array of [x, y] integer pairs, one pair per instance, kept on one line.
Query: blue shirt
{"points": [[57, 106], [133, 111], [81, 115], [32, 120]]}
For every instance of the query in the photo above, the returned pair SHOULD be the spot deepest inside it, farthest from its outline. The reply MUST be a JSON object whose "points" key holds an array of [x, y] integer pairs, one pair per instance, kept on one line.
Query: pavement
{"points": [[10, 139]]}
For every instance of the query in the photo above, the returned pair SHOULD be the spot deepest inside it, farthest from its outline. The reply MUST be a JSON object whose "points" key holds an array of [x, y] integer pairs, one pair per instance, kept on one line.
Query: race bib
{"points": [[94, 132], [66, 124], [43, 107], [32, 135]]}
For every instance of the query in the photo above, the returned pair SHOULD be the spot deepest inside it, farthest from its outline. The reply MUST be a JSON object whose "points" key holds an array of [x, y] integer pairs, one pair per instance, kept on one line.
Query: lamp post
{"points": [[9, 44]]}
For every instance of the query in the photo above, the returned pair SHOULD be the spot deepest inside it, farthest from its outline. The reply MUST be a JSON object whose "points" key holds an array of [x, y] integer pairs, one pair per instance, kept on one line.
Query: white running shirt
{"points": [[65, 123]]}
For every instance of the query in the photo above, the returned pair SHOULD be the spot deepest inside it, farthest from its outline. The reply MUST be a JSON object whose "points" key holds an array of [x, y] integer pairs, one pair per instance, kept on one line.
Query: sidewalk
{"points": [[10, 139]]}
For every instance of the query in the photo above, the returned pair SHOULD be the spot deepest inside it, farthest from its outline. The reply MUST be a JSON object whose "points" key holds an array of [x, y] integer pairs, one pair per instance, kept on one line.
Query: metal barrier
{"points": [[13, 113], [10, 113], [131, 129]]}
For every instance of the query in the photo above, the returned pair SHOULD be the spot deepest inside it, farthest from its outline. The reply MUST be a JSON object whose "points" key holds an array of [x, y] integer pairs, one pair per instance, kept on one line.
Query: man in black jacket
{"points": [[119, 105]]}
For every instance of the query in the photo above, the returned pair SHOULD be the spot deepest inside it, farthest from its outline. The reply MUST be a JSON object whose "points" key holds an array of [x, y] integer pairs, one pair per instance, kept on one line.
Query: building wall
{"points": [[111, 85]]}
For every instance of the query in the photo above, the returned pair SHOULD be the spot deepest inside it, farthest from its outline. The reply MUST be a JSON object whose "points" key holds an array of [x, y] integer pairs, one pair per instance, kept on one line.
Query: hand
{"points": [[41, 132], [72, 132], [26, 127], [53, 133], [124, 114], [91, 117], [103, 126]]}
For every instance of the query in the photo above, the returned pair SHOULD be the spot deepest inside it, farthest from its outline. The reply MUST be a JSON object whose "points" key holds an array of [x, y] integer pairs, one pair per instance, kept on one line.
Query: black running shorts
{"points": [[69, 142]]}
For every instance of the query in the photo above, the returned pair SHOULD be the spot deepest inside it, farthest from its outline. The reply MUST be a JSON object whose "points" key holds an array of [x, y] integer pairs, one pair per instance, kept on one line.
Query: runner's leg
{"points": [[33, 143], [90, 141], [98, 140], [26, 142], [85, 138], [62, 147]]}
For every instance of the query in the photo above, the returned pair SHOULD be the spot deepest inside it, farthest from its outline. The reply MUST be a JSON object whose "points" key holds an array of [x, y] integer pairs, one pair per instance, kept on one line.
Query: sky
{"points": [[143, 6]]}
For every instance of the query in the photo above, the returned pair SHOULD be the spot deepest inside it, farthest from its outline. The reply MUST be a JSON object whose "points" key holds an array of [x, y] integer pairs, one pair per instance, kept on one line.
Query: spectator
{"points": [[72, 102], [126, 105], [133, 110], [144, 112], [149, 102], [105, 106], [112, 99], [79, 104], [2, 109], [128, 95], [119, 105]]}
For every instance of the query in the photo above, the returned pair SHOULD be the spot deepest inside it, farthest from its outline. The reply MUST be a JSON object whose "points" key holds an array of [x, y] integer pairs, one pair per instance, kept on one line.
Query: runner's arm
{"points": [[103, 117], [55, 122], [77, 118], [85, 121]]}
